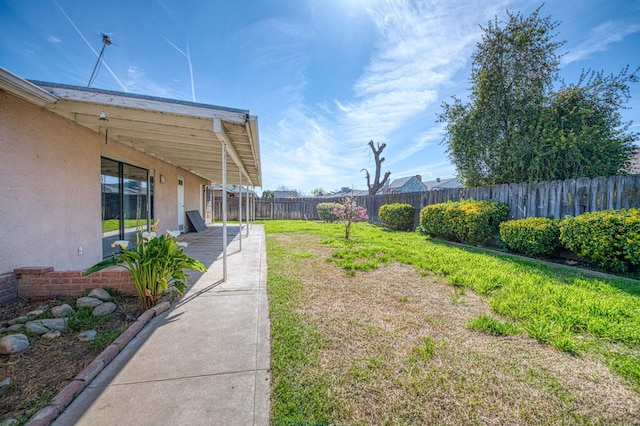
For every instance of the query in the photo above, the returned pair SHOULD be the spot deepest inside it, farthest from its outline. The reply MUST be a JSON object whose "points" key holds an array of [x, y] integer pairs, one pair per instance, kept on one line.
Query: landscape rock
{"points": [[88, 301], [53, 334], [104, 309], [15, 327], [5, 382], [42, 326], [13, 343], [100, 293], [87, 336], [21, 320], [37, 312], [3, 329], [62, 311]]}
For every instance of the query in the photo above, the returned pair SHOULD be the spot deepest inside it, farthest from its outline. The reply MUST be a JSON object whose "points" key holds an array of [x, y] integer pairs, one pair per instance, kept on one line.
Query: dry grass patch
{"points": [[396, 349]]}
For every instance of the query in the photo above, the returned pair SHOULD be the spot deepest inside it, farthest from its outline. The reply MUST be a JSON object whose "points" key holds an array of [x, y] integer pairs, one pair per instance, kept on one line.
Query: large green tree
{"points": [[516, 128]]}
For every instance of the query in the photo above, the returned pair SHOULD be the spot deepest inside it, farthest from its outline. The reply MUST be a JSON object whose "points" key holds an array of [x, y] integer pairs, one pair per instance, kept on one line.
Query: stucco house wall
{"points": [[50, 192]]}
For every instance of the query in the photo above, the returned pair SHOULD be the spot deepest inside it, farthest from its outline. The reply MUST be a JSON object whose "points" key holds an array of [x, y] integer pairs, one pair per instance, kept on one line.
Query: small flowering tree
{"points": [[348, 212]]}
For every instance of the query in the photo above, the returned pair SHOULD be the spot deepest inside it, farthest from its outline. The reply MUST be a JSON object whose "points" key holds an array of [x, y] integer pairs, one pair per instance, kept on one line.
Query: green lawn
{"points": [[114, 224], [584, 317]]}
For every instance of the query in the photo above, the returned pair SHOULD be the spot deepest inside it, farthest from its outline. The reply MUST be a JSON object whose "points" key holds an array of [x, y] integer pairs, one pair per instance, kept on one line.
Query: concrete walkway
{"points": [[203, 362]]}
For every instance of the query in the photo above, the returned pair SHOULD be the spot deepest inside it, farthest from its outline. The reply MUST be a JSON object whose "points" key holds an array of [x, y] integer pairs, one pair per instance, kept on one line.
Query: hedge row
{"points": [[397, 216], [534, 236], [468, 221], [608, 239]]}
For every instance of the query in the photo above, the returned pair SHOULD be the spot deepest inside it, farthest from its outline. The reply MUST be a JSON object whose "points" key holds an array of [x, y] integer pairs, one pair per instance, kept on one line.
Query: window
{"points": [[127, 200]]}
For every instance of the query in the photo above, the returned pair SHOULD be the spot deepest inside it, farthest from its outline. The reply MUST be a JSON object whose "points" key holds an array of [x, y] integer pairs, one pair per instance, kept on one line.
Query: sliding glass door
{"points": [[127, 200]]}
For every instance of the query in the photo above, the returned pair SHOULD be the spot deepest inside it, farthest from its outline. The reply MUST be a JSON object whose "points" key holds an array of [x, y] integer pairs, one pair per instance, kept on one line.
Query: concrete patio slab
{"points": [[205, 361]]}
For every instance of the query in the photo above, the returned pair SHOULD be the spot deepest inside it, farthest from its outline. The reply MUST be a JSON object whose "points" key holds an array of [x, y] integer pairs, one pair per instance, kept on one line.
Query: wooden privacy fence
{"points": [[546, 199]]}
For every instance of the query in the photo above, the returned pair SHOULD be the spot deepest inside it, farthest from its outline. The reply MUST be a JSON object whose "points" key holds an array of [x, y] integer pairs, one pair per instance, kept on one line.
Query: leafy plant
{"points": [[397, 216], [325, 212], [534, 236], [609, 239], [469, 221], [518, 127], [348, 212], [156, 265]]}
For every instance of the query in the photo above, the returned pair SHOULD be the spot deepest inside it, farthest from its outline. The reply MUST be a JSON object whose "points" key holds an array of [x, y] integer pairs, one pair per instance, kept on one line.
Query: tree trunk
{"points": [[376, 185]]}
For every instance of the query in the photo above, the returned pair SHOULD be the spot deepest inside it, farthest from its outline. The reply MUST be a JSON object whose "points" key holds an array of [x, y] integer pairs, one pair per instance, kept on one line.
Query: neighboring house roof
{"points": [[399, 183], [406, 184], [346, 193], [285, 194], [442, 184], [186, 134]]}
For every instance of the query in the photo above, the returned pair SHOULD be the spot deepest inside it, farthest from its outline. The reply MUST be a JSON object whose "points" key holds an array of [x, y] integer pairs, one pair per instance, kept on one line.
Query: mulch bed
{"points": [[47, 366]]}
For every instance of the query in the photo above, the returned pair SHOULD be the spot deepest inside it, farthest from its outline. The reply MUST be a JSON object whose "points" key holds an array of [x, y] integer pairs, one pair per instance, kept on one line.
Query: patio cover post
{"points": [[240, 209], [247, 208], [224, 211]]}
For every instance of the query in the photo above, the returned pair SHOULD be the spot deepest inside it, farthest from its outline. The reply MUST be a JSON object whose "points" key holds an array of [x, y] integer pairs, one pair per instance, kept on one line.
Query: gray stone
{"points": [[62, 311], [88, 301], [37, 312], [53, 334], [45, 325], [10, 422], [104, 309], [15, 327], [20, 320], [3, 329], [13, 343], [5, 382], [87, 336], [100, 293]]}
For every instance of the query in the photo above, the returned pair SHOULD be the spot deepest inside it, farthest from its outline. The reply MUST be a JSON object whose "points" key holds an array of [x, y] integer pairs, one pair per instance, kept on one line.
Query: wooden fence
{"points": [[553, 199]]}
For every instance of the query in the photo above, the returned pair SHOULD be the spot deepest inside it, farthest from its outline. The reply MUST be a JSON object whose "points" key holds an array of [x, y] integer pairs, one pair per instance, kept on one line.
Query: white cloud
{"points": [[420, 48], [431, 137], [599, 39], [138, 82], [53, 39]]}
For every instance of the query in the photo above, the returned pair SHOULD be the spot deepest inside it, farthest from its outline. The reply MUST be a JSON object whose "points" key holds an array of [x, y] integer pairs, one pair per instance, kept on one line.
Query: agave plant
{"points": [[156, 265]]}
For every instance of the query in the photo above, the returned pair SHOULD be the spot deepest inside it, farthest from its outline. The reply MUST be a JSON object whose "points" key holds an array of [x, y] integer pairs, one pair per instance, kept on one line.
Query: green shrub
{"points": [[469, 221], [432, 221], [534, 236], [325, 211], [397, 216], [609, 239]]}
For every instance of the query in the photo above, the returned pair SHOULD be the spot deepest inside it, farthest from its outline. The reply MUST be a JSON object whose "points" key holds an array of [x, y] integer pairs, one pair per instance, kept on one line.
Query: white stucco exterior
{"points": [[50, 187]]}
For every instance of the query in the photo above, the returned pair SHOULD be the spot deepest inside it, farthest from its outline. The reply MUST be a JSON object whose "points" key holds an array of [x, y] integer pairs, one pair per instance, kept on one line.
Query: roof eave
{"points": [[25, 89]]}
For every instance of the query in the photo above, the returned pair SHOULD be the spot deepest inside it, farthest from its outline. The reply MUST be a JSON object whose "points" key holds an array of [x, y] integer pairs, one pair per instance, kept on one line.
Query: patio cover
{"points": [[186, 134]]}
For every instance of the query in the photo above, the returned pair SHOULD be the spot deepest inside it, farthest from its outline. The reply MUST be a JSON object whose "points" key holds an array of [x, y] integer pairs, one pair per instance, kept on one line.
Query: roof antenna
{"points": [[106, 41]]}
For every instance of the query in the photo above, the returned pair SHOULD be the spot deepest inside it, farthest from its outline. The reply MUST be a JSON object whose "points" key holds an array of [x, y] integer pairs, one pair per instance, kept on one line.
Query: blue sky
{"points": [[323, 76]]}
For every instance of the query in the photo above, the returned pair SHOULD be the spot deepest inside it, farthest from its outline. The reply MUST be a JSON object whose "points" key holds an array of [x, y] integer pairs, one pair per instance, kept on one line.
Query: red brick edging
{"points": [[43, 282], [61, 401]]}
